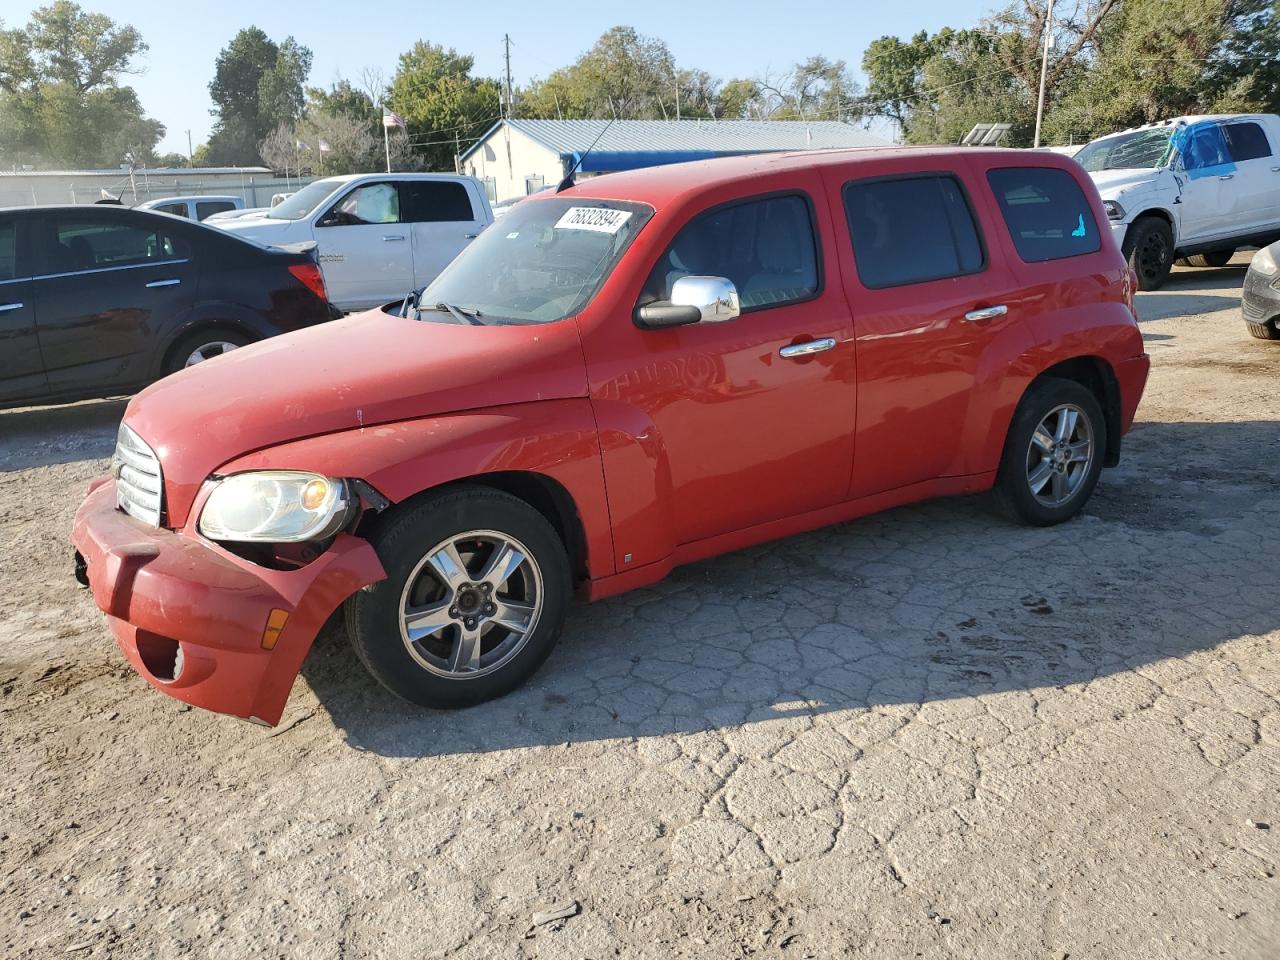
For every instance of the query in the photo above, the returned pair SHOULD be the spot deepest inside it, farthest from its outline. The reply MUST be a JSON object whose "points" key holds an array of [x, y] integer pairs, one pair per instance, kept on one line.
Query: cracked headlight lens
{"points": [[1113, 209], [275, 506]]}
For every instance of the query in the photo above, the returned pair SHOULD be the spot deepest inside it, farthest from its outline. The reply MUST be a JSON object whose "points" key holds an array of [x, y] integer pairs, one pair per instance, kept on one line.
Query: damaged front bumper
{"points": [[202, 624]]}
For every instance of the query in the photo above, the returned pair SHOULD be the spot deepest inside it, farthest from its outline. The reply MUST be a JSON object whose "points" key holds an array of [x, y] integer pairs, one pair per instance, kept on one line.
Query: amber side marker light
{"points": [[275, 626]]}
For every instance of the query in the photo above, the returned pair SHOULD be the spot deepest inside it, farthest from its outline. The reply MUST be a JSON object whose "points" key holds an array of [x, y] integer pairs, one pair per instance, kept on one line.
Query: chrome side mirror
{"points": [[693, 300]]}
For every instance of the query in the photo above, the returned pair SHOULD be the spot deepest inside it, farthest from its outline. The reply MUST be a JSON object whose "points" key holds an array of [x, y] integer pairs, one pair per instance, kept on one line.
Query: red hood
{"points": [[365, 369]]}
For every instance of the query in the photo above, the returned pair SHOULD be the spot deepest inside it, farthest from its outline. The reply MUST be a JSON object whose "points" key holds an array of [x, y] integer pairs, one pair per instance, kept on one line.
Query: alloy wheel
{"points": [[1060, 455], [207, 351]]}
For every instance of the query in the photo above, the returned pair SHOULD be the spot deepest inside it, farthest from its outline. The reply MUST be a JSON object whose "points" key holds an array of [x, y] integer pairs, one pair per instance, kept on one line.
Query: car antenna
{"points": [[567, 182]]}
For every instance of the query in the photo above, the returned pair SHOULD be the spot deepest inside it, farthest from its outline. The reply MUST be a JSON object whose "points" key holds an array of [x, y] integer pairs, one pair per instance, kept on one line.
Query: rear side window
{"points": [[176, 209], [86, 245], [911, 230], [8, 249], [1048, 215], [435, 201], [1246, 141], [207, 208], [765, 247]]}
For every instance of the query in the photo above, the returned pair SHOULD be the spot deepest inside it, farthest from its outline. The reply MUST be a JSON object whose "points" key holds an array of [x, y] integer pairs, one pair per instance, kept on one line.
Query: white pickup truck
{"points": [[1193, 187], [379, 235]]}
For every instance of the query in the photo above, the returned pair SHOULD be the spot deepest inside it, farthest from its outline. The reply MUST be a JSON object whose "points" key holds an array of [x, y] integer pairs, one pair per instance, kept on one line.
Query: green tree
{"points": [[442, 103], [61, 102], [257, 86], [814, 89]]}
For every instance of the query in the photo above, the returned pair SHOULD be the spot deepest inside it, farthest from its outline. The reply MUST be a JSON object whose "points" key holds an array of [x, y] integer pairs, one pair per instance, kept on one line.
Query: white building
{"points": [[519, 157]]}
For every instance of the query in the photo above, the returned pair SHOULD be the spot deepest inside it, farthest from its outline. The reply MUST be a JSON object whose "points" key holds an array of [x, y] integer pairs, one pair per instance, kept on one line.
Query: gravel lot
{"points": [[923, 734]]}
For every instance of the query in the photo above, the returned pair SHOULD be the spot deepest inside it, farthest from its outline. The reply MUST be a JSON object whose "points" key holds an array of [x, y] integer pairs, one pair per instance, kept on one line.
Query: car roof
{"points": [[195, 199], [1187, 119], [663, 184]]}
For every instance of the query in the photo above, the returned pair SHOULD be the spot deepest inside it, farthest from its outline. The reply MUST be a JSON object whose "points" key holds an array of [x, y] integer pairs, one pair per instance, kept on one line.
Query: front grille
{"points": [[139, 482]]}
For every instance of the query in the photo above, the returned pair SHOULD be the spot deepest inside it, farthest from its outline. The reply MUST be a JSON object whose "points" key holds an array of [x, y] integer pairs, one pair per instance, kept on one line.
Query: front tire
{"points": [[1148, 248], [1263, 331], [1053, 453], [477, 588]]}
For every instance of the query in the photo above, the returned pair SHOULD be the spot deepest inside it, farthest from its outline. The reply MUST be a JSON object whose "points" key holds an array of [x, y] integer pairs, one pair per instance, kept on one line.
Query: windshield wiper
{"points": [[461, 314]]}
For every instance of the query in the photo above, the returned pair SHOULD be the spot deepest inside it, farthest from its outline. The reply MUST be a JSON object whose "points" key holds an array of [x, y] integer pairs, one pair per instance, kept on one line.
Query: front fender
{"points": [[556, 439]]}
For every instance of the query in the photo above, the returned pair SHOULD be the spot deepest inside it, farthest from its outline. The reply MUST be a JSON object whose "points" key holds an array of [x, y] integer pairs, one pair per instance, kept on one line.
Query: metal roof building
{"points": [[518, 157]]}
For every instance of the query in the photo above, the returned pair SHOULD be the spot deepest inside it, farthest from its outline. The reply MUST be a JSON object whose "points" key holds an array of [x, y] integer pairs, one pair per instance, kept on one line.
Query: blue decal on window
{"points": [[1079, 230]]}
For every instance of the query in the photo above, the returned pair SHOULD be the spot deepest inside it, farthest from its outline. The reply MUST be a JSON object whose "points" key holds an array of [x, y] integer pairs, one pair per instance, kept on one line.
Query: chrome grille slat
{"points": [[139, 479]]}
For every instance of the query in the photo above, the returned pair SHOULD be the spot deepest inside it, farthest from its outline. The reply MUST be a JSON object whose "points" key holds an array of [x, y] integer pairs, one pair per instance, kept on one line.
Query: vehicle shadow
{"points": [[1192, 291], [927, 603], [44, 436]]}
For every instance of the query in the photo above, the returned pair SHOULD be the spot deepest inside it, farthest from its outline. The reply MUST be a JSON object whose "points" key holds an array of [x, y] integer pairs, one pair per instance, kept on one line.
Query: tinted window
{"points": [[89, 245], [177, 209], [911, 230], [435, 201], [372, 203], [208, 208], [1047, 213], [8, 249], [1246, 141], [765, 247]]}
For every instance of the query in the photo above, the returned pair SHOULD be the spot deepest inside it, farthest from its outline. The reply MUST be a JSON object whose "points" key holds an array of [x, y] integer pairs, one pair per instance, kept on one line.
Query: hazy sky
{"points": [[725, 39]]}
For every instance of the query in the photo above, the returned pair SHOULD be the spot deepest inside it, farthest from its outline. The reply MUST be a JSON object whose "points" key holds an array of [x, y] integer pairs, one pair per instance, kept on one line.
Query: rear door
{"points": [[443, 218], [1254, 188], [21, 366], [365, 249], [109, 282], [931, 304]]}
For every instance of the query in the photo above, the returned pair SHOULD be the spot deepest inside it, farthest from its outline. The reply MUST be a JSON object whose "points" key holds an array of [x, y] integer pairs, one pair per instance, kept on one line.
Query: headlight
{"points": [[1114, 210], [1264, 261], [275, 506]]}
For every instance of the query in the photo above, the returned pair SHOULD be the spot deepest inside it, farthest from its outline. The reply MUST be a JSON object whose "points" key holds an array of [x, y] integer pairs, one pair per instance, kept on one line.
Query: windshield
{"points": [[1140, 150], [543, 261], [304, 201]]}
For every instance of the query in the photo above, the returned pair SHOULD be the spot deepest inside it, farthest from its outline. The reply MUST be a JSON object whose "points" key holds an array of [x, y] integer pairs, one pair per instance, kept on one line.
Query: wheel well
{"points": [[1096, 376], [1154, 213], [202, 327]]}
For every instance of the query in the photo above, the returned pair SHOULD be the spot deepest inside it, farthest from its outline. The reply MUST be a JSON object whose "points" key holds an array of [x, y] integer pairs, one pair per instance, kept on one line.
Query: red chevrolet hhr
{"points": [[633, 373]]}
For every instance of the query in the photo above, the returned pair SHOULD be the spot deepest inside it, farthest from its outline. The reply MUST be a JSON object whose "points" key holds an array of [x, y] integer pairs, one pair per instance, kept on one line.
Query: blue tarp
{"points": [[1204, 150]]}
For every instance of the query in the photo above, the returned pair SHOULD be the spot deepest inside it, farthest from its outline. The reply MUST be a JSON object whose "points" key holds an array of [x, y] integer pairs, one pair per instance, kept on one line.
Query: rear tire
{"points": [[1216, 258], [1148, 248], [1053, 453], [435, 631], [207, 344], [1263, 331]]}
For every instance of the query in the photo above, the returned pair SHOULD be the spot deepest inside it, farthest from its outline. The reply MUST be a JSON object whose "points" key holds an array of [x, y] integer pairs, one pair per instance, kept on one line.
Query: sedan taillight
{"points": [[310, 276]]}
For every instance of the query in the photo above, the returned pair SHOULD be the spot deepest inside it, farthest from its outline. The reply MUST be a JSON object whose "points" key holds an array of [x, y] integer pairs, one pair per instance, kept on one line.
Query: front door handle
{"points": [[986, 313], [1227, 176], [173, 282], [6, 307], [393, 237], [807, 348], [472, 236], [1275, 169]]}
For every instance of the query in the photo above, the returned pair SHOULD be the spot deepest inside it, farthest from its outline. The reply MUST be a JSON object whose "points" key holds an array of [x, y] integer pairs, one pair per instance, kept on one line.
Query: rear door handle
{"points": [[393, 237], [470, 236], [163, 283], [807, 348], [1275, 169], [986, 313], [6, 307]]}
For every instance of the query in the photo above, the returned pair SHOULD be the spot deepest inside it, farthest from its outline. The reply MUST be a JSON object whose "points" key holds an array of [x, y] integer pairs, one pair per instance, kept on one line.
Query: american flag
{"points": [[392, 119]]}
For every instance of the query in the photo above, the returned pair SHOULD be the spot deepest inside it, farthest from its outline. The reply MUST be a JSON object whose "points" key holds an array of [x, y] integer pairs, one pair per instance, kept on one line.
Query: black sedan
{"points": [[98, 301]]}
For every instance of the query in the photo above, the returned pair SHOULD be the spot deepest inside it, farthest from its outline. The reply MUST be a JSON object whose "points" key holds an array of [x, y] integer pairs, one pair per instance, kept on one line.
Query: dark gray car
{"points": [[1260, 300]]}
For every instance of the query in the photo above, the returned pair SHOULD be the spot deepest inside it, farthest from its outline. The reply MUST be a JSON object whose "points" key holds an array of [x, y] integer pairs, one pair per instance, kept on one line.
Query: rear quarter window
{"points": [[1046, 211]]}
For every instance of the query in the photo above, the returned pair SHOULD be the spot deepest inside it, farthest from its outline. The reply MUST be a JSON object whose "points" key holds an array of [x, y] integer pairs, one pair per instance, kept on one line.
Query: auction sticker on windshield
{"points": [[599, 219]]}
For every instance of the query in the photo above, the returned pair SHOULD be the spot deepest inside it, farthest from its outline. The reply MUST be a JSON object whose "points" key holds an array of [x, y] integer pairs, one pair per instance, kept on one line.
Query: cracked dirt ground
{"points": [[924, 734]]}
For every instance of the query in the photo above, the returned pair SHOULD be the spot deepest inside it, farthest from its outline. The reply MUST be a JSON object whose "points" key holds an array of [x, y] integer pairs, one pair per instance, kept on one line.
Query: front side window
{"points": [[1246, 141], [175, 209], [541, 262], [434, 201], [1048, 215], [911, 230], [766, 248], [1203, 148], [372, 203], [86, 245]]}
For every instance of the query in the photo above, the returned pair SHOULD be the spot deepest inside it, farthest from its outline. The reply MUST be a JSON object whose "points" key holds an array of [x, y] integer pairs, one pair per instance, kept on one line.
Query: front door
{"points": [[109, 282], [1206, 173], [365, 249], [21, 366], [750, 429], [442, 220]]}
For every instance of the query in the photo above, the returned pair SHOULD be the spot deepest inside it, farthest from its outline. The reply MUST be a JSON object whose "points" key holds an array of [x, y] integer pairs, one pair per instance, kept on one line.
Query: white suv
{"points": [[380, 235], [1193, 187]]}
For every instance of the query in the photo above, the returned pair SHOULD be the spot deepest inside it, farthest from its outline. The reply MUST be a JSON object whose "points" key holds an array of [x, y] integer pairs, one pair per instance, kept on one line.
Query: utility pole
{"points": [[191, 161], [506, 43], [1044, 69]]}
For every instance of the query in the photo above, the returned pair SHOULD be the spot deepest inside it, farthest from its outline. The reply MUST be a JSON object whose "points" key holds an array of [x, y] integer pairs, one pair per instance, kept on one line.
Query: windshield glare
{"points": [[304, 201], [542, 262], [1140, 150]]}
